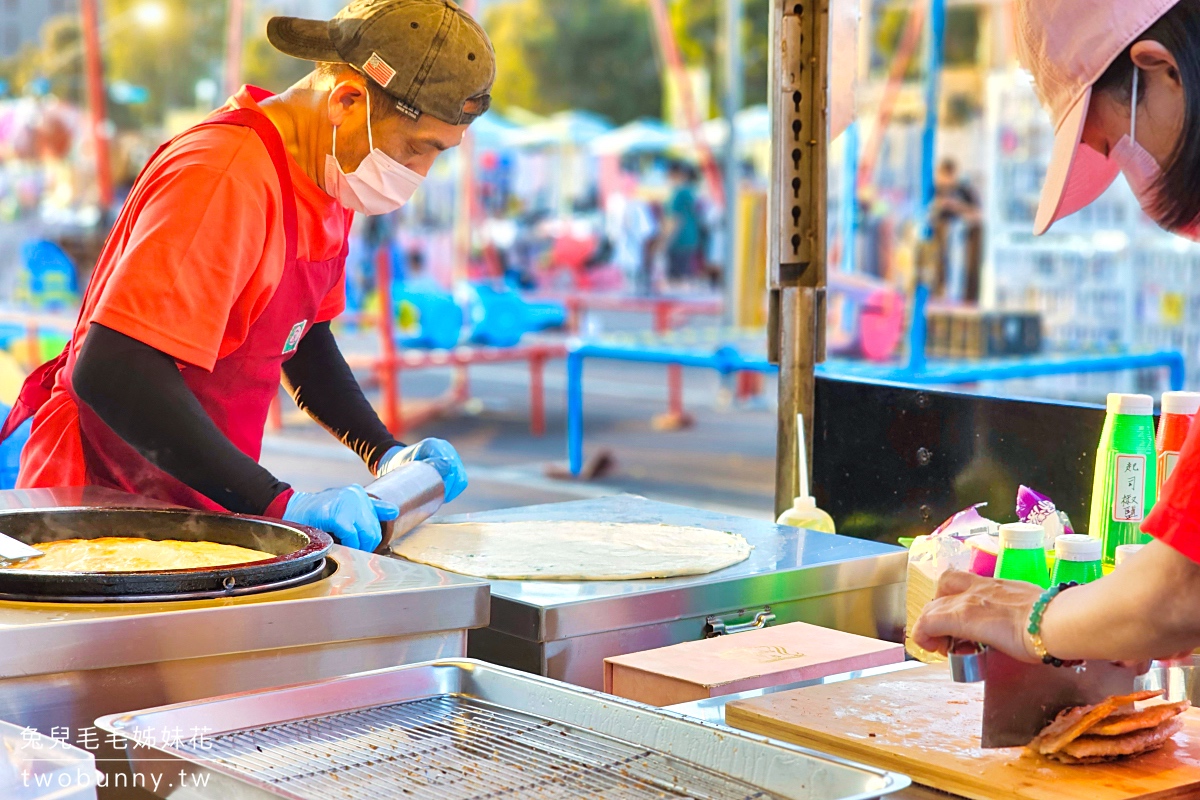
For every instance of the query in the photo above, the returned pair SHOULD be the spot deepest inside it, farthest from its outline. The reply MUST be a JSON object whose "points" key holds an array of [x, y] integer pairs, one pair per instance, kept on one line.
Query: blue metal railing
{"points": [[728, 360]]}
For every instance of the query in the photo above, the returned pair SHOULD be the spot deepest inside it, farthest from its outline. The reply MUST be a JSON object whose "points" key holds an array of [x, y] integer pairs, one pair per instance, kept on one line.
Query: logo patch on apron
{"points": [[293, 340]]}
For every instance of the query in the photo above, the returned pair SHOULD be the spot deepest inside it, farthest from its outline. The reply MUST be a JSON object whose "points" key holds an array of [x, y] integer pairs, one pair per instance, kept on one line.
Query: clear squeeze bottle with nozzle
{"points": [[804, 512]]}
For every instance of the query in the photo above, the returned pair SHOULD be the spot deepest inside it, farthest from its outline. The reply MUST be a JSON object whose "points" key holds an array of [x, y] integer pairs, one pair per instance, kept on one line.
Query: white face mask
{"points": [[380, 185], [1141, 169]]}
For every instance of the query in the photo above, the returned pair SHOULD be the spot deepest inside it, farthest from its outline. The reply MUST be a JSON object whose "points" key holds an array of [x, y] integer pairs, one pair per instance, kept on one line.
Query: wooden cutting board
{"points": [[922, 724]]}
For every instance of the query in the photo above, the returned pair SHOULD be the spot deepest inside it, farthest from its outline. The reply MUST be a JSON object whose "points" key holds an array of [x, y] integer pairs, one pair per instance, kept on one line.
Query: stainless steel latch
{"points": [[715, 626]]}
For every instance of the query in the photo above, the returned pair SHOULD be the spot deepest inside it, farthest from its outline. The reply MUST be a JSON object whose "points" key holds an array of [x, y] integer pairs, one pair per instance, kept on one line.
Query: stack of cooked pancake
{"points": [[1112, 729]]}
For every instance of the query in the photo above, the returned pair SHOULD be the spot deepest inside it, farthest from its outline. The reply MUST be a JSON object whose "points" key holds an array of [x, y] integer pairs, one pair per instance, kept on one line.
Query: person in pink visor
{"points": [[1121, 81]]}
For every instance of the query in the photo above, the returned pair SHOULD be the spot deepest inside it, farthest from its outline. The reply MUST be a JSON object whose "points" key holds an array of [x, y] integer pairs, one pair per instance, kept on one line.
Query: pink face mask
{"points": [[1141, 169], [380, 185]]}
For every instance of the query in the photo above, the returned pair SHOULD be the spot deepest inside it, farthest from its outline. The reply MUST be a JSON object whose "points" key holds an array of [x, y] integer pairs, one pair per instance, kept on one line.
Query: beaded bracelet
{"points": [[1035, 623]]}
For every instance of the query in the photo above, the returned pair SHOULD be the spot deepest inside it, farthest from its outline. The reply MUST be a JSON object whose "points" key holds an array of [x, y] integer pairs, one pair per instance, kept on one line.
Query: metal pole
{"points": [[464, 210], [389, 378], [90, 21], [929, 253], [797, 388], [799, 77], [918, 329], [575, 413], [933, 93], [905, 50], [537, 394], [733, 104], [233, 47], [677, 71], [849, 260]]}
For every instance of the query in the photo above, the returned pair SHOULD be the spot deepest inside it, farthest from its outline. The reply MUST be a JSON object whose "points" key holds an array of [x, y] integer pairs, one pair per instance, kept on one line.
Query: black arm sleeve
{"points": [[138, 392], [322, 385]]}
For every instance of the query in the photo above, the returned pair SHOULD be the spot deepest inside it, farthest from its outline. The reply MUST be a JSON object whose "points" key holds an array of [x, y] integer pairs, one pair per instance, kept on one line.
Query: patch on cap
{"points": [[380, 71], [408, 110]]}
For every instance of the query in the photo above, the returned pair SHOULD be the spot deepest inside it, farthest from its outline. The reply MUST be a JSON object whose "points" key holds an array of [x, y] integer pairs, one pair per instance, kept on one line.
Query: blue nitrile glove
{"points": [[349, 514], [437, 453]]}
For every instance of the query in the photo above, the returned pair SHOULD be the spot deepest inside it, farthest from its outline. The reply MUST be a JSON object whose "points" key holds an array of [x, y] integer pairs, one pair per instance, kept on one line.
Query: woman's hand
{"points": [[1144, 610], [984, 610]]}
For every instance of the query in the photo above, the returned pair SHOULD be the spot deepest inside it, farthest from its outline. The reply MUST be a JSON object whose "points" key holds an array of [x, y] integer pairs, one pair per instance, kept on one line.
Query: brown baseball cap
{"points": [[428, 54]]}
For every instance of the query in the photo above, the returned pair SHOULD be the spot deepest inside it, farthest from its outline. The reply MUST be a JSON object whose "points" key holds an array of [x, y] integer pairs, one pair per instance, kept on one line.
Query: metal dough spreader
{"points": [[417, 489]]}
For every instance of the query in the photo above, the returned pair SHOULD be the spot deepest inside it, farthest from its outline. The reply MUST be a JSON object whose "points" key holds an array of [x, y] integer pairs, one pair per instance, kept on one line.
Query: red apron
{"points": [[237, 394]]}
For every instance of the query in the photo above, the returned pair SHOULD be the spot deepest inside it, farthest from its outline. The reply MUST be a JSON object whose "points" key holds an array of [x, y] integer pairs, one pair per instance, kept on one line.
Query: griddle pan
{"points": [[299, 554]]}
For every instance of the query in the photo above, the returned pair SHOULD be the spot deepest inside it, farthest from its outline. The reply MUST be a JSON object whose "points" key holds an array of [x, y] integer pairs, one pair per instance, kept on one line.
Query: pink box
{"points": [[754, 660]]}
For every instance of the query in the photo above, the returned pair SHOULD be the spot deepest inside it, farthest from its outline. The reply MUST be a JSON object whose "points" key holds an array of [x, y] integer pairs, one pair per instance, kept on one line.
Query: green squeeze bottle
{"points": [[1078, 559], [1126, 480], [1023, 554]]}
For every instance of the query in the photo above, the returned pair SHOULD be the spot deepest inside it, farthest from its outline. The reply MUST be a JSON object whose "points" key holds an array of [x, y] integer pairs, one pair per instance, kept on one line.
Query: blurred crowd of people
{"points": [[957, 223], [949, 262], [663, 244]]}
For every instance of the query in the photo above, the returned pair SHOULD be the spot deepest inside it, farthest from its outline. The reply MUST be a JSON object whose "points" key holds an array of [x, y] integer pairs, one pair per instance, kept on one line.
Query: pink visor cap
{"points": [[1068, 45]]}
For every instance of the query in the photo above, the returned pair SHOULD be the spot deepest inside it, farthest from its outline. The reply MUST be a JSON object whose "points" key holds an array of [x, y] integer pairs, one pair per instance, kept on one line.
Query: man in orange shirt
{"points": [[226, 265]]}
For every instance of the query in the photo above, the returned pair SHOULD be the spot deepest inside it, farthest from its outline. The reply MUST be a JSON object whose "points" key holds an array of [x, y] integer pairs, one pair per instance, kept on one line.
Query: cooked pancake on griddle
{"points": [[118, 554]]}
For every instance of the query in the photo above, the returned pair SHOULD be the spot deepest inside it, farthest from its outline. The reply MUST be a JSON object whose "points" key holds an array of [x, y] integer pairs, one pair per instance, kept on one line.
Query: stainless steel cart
{"points": [[565, 629]]}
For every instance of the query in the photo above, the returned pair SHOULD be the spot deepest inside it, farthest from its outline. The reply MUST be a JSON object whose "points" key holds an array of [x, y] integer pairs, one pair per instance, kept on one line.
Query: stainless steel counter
{"points": [[366, 597], [565, 629], [62, 665]]}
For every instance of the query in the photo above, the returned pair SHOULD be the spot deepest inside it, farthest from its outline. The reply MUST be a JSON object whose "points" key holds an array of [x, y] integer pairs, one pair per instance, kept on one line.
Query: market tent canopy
{"points": [[639, 136], [753, 124], [563, 128], [494, 131]]}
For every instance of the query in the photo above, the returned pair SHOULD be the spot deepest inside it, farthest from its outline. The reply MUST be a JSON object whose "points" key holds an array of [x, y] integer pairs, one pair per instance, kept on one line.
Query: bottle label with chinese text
{"points": [[1129, 488]]}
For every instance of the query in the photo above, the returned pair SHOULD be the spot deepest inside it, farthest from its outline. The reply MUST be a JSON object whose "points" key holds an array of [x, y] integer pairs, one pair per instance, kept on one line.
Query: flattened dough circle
{"points": [[572, 551]]}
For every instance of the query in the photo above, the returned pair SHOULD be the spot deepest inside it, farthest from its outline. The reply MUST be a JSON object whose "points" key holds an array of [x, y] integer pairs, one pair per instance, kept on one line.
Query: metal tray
{"points": [[465, 729]]}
